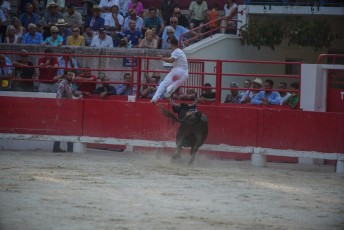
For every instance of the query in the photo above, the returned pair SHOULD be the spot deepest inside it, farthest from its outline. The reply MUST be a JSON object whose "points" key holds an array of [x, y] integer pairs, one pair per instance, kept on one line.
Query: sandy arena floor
{"points": [[128, 190]]}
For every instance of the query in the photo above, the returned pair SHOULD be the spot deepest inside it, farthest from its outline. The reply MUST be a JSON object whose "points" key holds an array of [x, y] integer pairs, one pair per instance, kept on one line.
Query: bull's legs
{"points": [[193, 152], [178, 151]]}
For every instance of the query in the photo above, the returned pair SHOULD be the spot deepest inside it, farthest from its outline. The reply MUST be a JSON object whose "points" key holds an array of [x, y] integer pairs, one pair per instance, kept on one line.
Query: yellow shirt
{"points": [[72, 41]]}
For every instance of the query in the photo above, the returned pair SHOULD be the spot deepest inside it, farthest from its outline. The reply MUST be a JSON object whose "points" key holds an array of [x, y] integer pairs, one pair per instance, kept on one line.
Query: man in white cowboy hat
{"points": [[63, 30], [249, 94], [52, 14], [60, 4]]}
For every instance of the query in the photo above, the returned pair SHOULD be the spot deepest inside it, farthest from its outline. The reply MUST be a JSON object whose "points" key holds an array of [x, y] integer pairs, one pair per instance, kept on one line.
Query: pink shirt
{"points": [[138, 9]]}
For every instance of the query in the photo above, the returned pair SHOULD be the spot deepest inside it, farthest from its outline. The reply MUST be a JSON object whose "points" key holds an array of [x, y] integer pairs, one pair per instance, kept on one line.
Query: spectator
{"points": [[65, 90], [127, 88], [21, 7], [55, 39], [116, 37], [114, 19], [283, 93], [198, 12], [72, 17], [293, 100], [123, 43], [182, 19], [149, 41], [87, 81], [6, 74], [95, 21], [47, 72], [3, 29], [208, 94], [2, 16], [149, 90], [106, 89], [29, 16], [153, 21], [123, 7], [105, 7], [231, 10], [247, 86], [24, 71], [52, 14], [133, 36], [268, 96], [249, 94], [166, 43], [63, 30], [5, 6], [67, 61], [178, 30], [167, 7], [132, 16], [213, 15], [32, 37], [76, 39], [11, 36], [190, 94], [102, 40], [20, 30], [234, 96], [137, 6], [60, 4], [88, 35]]}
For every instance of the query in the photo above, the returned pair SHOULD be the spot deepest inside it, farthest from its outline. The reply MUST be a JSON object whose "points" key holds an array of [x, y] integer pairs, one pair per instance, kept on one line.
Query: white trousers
{"points": [[175, 78]]}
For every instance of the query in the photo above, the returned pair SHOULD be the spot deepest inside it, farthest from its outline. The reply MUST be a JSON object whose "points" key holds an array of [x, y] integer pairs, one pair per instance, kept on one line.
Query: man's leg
{"points": [[162, 87]]}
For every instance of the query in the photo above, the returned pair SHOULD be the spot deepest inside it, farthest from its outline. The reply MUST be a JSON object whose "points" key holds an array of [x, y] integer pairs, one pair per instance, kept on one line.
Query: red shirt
{"points": [[88, 86], [47, 72]]}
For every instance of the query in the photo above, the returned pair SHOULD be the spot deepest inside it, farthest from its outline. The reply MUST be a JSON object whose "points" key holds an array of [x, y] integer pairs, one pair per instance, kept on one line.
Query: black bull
{"points": [[193, 129]]}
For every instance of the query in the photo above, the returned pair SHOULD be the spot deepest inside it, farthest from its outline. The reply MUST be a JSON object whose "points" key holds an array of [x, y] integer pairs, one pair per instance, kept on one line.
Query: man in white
{"points": [[114, 19], [178, 74], [101, 40], [105, 7]]}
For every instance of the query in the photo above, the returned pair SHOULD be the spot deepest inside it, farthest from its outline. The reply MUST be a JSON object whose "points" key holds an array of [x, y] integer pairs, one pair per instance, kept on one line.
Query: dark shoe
{"points": [[59, 151]]}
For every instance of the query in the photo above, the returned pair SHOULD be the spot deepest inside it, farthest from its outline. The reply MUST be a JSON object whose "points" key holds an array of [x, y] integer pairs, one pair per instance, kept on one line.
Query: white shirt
{"points": [[109, 21], [107, 4], [97, 42], [230, 10], [180, 59], [284, 98]]}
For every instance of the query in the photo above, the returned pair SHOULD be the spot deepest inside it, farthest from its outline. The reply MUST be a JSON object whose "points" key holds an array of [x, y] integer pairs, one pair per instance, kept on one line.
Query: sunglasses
{"points": [[75, 30], [173, 22]]}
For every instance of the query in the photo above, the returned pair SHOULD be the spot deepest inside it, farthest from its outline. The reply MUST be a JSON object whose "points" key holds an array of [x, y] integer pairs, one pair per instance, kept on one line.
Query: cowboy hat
{"points": [[61, 22], [258, 81]]}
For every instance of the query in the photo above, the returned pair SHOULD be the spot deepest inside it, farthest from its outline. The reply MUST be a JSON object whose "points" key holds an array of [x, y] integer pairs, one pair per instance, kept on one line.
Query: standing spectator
{"points": [[132, 35], [182, 19], [153, 21], [65, 90], [63, 30], [11, 36], [47, 72], [127, 88], [72, 17], [6, 74], [20, 30], [105, 7], [267, 96], [67, 61], [106, 89], [6, 8], [249, 94], [149, 41], [284, 94], [52, 14], [132, 16], [24, 71], [234, 96], [88, 35], [166, 42], [167, 7], [208, 94], [198, 12], [231, 12], [76, 39], [114, 19], [293, 100], [55, 39], [87, 81], [29, 16], [102, 40], [32, 37], [137, 6], [95, 21]]}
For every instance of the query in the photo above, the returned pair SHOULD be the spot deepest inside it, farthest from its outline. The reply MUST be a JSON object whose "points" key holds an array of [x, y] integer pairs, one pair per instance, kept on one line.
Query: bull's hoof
{"points": [[174, 157]]}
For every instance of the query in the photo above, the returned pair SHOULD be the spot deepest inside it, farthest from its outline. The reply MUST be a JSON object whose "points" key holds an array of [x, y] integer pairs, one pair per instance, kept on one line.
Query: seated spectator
{"points": [[208, 95], [167, 7], [52, 14], [132, 16], [29, 16], [47, 72], [105, 7], [20, 30], [106, 89], [153, 21], [87, 81], [137, 6], [95, 22], [132, 35], [127, 88], [213, 15], [24, 72], [5, 6], [268, 96], [166, 42], [190, 94], [76, 39], [149, 41], [59, 3], [88, 35], [66, 61], [149, 90], [123, 7], [32, 37], [116, 37], [249, 94], [182, 19], [178, 30], [247, 86], [72, 17], [293, 100], [102, 40], [63, 30], [284, 94], [11, 36], [6, 74], [114, 19], [3, 29], [55, 39], [123, 43], [234, 96]]}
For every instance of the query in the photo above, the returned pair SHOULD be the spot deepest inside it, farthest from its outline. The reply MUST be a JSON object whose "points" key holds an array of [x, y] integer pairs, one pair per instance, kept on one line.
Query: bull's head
{"points": [[183, 109]]}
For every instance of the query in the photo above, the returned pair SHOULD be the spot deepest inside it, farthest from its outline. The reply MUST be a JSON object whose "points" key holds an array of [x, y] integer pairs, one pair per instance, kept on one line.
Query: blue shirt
{"points": [[179, 30], [123, 89], [98, 23], [133, 36], [273, 97], [37, 39], [25, 21], [111, 90], [49, 41]]}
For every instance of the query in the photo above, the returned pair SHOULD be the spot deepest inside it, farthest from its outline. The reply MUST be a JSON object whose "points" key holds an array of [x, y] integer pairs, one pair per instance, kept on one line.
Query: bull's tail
{"points": [[170, 115]]}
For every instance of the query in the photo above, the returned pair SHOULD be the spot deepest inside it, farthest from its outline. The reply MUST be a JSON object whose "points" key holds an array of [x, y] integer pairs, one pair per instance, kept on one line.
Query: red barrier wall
{"points": [[232, 125]]}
